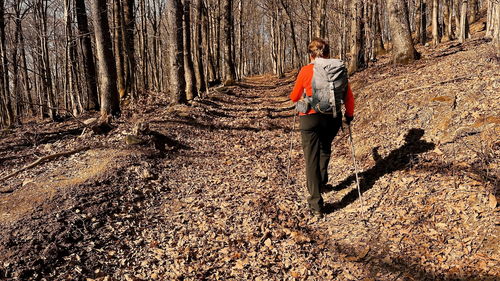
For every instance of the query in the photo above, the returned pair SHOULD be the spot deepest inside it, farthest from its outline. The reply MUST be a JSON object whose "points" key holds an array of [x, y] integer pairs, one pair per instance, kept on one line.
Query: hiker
{"points": [[318, 129]]}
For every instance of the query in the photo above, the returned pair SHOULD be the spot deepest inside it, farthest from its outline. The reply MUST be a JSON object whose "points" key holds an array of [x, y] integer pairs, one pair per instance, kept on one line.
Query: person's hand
{"points": [[348, 119]]}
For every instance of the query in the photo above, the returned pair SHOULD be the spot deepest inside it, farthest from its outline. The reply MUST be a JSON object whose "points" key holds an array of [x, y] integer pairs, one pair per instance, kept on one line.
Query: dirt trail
{"points": [[220, 205]]}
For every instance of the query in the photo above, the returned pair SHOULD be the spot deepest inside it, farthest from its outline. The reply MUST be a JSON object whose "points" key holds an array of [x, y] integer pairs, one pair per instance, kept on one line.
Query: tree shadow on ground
{"points": [[398, 159], [404, 268], [29, 138]]}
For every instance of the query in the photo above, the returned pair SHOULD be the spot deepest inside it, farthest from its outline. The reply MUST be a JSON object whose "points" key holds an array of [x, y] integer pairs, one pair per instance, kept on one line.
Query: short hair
{"points": [[319, 48]]}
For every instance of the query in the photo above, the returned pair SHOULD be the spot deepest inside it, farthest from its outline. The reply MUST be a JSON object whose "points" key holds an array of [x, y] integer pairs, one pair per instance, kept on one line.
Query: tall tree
{"points": [[378, 43], [176, 53], [110, 102], [87, 55], [493, 24], [4, 74], [321, 27], [473, 10], [403, 50], [188, 51], [45, 66], [448, 19], [357, 59], [435, 22], [229, 68], [464, 23], [198, 62], [71, 76], [118, 46], [128, 31]]}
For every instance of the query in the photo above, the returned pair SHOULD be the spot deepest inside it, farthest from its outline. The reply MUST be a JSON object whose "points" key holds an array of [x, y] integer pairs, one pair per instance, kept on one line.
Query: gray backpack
{"points": [[329, 86]]}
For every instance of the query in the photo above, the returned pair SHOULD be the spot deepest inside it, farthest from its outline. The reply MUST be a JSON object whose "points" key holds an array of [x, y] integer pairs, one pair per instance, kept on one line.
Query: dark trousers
{"points": [[317, 131]]}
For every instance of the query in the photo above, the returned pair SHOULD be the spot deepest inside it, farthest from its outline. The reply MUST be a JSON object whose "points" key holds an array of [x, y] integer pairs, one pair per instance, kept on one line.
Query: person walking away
{"points": [[318, 129]]}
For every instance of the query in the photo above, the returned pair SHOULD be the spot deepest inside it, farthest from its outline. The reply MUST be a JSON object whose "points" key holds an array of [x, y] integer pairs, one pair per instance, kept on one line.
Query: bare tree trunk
{"points": [[435, 22], [457, 4], [493, 23], [418, 19], [240, 40], [310, 21], [129, 47], [198, 62], [24, 63], [423, 21], [143, 47], [473, 10], [110, 102], [344, 39], [188, 59], [357, 43], [321, 27], [229, 69], [15, 65], [71, 62], [292, 28], [378, 46], [368, 36], [448, 15], [176, 56], [402, 45], [4, 74], [207, 43], [88, 55], [118, 47], [464, 24], [46, 72]]}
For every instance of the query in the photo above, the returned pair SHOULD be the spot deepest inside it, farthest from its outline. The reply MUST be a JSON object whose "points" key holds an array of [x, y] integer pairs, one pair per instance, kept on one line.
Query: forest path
{"points": [[218, 204]]}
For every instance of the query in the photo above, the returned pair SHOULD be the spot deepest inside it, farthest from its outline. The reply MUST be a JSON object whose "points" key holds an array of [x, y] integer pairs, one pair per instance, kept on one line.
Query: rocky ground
{"points": [[217, 189]]}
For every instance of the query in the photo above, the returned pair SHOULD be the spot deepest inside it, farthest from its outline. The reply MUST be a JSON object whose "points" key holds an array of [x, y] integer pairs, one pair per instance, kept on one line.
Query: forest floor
{"points": [[211, 196]]}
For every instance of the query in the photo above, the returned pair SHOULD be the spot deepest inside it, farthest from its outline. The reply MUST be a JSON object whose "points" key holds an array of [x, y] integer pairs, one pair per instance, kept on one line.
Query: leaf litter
{"points": [[219, 203]]}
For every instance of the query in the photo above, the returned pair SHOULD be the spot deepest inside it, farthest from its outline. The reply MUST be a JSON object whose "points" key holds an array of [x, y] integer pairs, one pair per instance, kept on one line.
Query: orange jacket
{"points": [[303, 82]]}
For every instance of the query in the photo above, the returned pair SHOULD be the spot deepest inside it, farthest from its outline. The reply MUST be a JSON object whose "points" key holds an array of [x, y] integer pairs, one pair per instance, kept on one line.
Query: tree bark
{"points": [[188, 52], [357, 60], [292, 28], [448, 15], [110, 102], [4, 74], [229, 69], [321, 27], [473, 10], [464, 24], [88, 56], [45, 66], [129, 46], [403, 50], [435, 22], [176, 56], [493, 24], [198, 62], [118, 47]]}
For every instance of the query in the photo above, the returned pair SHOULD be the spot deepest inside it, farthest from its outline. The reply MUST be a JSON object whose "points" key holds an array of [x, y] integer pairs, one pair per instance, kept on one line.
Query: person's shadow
{"points": [[398, 159]]}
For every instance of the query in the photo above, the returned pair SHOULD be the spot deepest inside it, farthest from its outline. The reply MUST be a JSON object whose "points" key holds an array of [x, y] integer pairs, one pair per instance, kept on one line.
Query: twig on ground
{"points": [[44, 159]]}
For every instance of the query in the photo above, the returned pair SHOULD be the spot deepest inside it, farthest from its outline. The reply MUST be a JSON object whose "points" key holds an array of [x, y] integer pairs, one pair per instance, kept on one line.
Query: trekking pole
{"points": [[356, 171], [290, 152]]}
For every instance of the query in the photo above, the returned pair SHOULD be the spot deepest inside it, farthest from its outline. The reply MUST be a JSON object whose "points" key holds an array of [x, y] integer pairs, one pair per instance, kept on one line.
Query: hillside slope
{"points": [[218, 201]]}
